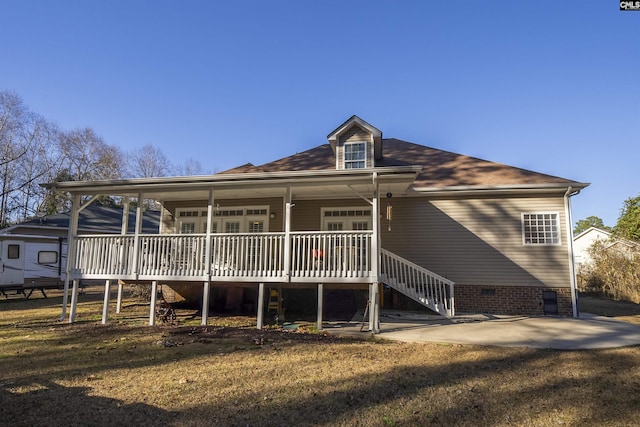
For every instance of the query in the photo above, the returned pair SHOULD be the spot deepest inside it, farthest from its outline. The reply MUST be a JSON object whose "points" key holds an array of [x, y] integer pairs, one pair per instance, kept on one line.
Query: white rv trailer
{"points": [[29, 262]]}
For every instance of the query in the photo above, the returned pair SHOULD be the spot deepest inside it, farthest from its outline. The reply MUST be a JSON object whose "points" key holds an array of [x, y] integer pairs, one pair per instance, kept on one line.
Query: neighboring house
{"points": [[583, 241], [94, 219], [33, 254], [361, 212]]}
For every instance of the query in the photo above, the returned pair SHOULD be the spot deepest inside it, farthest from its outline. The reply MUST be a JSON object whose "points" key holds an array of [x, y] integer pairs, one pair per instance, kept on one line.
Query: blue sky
{"points": [[547, 85]]}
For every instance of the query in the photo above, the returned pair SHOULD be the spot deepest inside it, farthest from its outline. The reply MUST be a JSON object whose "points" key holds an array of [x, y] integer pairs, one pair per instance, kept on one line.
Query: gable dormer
{"points": [[356, 144]]}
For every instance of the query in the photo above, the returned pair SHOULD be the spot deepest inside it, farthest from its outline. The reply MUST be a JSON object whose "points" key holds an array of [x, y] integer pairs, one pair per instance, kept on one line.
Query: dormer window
{"points": [[355, 155], [356, 144]]}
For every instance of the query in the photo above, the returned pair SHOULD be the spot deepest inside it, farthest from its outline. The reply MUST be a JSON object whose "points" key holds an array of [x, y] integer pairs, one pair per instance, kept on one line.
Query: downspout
{"points": [[572, 267]]}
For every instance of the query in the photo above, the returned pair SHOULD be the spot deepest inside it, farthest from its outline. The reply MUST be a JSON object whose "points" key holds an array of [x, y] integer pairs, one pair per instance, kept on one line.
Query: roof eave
{"points": [[460, 190], [229, 180]]}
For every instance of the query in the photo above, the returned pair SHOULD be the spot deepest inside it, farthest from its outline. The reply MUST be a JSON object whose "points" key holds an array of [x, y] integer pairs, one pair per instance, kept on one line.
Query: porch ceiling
{"points": [[329, 191]]}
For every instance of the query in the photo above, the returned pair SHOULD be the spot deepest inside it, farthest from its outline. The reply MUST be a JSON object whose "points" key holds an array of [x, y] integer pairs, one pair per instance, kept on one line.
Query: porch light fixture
{"points": [[272, 215]]}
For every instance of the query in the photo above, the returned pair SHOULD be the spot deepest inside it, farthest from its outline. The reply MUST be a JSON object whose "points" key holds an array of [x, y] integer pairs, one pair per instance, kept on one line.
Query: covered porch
{"points": [[281, 244]]}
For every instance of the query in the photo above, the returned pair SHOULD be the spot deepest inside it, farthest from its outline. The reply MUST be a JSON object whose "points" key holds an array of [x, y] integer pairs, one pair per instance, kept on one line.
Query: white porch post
{"points": [[74, 301], [207, 257], [124, 229], [260, 305], [119, 298], [160, 221], [371, 307], [375, 241], [320, 304], [374, 308], [287, 232], [205, 302], [152, 309], [105, 305], [376, 316], [374, 296], [71, 245], [136, 244]]}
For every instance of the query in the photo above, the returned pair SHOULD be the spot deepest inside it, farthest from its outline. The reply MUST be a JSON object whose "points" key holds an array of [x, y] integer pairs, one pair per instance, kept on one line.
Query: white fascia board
{"points": [[354, 120], [264, 179], [499, 189]]}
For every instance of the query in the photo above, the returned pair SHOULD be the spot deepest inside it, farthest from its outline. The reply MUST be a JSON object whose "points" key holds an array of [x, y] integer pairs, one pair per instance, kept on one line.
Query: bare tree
{"points": [[22, 135], [33, 150], [40, 165], [88, 157], [148, 162], [190, 167]]}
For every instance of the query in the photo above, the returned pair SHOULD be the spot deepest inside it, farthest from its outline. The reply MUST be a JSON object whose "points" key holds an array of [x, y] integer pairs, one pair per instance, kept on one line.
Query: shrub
{"points": [[614, 272]]}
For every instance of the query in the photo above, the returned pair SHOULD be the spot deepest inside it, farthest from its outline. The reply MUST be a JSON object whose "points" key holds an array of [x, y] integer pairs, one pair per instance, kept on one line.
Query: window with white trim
{"points": [[240, 219], [541, 228], [348, 218], [355, 155]]}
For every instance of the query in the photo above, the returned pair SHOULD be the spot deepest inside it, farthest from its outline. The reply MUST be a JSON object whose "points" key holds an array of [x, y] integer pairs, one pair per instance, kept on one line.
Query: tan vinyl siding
{"points": [[275, 205], [355, 133], [478, 241], [305, 216]]}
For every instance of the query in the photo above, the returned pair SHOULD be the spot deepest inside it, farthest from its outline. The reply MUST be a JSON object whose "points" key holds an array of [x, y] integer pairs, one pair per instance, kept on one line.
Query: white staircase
{"points": [[429, 289]]}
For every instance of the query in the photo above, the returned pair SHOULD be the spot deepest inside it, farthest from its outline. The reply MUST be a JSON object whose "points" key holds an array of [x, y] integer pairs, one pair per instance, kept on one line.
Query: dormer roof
{"points": [[357, 121]]}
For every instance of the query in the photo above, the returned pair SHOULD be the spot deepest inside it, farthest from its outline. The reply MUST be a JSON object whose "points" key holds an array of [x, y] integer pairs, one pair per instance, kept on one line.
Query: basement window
{"points": [[541, 228]]}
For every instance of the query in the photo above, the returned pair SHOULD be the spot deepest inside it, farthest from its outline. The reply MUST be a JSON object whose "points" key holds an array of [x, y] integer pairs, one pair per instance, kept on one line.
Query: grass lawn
{"points": [[229, 374], [620, 310]]}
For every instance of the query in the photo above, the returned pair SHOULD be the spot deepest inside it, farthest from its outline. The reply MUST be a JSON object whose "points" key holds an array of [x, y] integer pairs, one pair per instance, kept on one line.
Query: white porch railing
{"points": [[418, 283], [337, 256], [248, 255], [334, 254], [172, 255], [104, 256]]}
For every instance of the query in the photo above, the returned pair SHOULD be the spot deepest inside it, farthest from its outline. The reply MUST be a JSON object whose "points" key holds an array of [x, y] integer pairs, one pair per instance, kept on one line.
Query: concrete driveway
{"points": [[587, 332]]}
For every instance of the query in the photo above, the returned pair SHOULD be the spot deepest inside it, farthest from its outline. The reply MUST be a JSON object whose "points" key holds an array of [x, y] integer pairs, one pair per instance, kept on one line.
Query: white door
{"points": [[12, 262]]}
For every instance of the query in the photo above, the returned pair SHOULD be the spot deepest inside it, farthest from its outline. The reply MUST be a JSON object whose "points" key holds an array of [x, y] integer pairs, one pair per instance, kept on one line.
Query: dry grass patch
{"points": [[625, 311], [227, 373]]}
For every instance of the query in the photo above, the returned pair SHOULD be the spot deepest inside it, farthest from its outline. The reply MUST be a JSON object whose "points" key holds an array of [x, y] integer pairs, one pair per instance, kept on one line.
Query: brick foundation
{"points": [[509, 300]]}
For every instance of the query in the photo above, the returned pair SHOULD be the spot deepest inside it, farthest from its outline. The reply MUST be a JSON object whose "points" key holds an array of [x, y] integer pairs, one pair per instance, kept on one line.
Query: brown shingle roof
{"points": [[439, 168], [246, 168], [446, 169], [320, 157]]}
